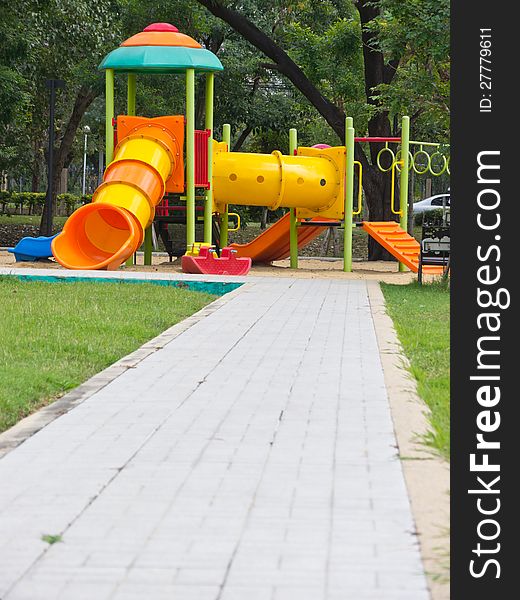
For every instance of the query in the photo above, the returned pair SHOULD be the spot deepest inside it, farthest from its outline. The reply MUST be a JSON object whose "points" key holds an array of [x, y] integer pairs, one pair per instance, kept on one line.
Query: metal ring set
{"points": [[421, 162]]}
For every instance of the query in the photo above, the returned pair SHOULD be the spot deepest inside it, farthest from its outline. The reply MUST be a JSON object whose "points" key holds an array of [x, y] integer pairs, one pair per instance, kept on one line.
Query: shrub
{"points": [[69, 202], [4, 200], [431, 217], [36, 200]]}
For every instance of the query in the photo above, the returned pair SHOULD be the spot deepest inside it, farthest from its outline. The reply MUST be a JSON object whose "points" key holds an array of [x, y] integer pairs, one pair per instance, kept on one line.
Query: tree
{"points": [[65, 29], [13, 97], [379, 72], [418, 31], [62, 39]]}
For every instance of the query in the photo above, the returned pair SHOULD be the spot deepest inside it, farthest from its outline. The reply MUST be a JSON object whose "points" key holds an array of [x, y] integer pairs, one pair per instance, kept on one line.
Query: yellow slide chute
{"points": [[312, 181], [103, 234]]}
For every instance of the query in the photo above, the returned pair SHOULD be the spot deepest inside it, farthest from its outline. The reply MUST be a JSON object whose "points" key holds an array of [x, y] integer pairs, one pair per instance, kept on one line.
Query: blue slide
{"points": [[31, 249]]}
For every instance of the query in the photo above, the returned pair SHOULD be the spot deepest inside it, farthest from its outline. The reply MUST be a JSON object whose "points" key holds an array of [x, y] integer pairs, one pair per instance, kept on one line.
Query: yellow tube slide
{"points": [[102, 235], [313, 181]]}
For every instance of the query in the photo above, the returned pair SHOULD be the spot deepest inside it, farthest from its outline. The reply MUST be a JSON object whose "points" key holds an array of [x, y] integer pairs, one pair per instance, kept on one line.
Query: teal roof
{"points": [[160, 59]]}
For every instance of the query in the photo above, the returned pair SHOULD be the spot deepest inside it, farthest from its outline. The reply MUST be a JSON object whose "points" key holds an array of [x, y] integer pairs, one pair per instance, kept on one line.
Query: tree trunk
{"points": [[84, 99], [284, 64], [263, 218], [36, 165], [242, 138]]}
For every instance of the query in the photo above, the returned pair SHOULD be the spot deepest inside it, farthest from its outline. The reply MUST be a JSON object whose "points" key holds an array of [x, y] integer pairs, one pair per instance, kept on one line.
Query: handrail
{"points": [[360, 189], [392, 190], [238, 221], [416, 143]]}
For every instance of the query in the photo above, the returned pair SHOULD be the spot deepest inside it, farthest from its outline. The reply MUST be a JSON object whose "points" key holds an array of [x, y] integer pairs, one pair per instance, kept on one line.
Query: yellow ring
{"points": [[398, 160], [445, 164], [378, 160], [415, 156]]}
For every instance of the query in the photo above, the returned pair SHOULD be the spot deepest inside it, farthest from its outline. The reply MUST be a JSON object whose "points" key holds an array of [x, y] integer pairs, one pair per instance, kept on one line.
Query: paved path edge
{"points": [[427, 475], [27, 427]]}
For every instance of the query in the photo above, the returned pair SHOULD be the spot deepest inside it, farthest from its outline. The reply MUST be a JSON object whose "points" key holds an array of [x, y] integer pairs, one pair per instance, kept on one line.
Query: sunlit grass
{"points": [[421, 316], [53, 336]]}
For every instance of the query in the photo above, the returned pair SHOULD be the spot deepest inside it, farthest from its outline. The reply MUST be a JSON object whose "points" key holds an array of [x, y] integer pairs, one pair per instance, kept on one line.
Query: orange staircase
{"points": [[400, 244]]}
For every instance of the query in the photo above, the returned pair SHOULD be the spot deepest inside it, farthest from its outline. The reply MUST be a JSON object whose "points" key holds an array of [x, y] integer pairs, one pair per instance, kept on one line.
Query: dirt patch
{"points": [[308, 268], [329, 243]]}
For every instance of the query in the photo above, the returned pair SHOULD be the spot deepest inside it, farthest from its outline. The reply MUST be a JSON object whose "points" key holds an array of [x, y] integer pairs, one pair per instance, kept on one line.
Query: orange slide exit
{"points": [[273, 243], [399, 243], [147, 161]]}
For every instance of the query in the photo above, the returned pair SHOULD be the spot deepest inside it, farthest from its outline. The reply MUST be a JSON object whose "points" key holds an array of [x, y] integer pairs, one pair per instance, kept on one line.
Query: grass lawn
{"points": [[28, 220], [421, 317], [56, 335]]}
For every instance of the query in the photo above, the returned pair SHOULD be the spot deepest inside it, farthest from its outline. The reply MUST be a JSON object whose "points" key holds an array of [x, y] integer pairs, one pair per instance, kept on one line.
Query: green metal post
{"points": [[403, 181], [224, 219], [109, 108], [293, 228], [130, 109], [190, 157], [349, 195], [208, 203], [131, 94]]}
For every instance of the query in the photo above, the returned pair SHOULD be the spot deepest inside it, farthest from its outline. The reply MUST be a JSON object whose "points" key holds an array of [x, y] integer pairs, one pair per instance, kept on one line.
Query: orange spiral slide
{"points": [[147, 159]]}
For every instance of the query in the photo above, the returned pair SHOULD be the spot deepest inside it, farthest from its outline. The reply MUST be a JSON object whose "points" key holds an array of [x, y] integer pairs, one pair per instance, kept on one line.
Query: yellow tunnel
{"points": [[103, 234], [313, 180]]}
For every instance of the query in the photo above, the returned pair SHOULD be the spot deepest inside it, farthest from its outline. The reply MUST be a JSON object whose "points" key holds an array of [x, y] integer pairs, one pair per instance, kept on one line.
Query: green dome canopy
{"points": [[160, 59]]}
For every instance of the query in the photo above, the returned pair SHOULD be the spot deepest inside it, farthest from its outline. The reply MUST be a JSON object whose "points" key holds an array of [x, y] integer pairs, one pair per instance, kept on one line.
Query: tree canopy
{"points": [[288, 63]]}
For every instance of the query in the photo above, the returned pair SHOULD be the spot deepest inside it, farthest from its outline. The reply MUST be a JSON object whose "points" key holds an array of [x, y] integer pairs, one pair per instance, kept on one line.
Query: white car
{"points": [[431, 203]]}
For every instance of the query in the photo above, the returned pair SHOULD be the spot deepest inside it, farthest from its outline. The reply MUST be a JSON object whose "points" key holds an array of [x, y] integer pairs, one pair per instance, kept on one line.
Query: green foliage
{"points": [[63, 39], [32, 200], [68, 38], [431, 217], [51, 538], [417, 34]]}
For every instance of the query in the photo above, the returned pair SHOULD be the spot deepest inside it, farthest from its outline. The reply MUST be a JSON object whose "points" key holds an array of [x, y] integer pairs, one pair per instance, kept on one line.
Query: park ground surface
{"points": [[253, 453], [312, 268]]}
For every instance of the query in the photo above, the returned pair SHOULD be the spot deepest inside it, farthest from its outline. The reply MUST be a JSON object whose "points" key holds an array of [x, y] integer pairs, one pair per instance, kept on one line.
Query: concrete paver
{"points": [[253, 456]]}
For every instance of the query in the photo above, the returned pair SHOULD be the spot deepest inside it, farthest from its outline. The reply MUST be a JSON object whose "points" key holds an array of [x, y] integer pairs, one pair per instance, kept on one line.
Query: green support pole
{"points": [[293, 228], [109, 108], [403, 181], [349, 195], [208, 203], [190, 157], [148, 245], [224, 219], [130, 109], [131, 94]]}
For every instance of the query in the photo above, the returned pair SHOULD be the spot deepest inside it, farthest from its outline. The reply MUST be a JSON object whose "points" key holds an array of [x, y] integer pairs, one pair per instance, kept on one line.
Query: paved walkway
{"points": [[251, 458]]}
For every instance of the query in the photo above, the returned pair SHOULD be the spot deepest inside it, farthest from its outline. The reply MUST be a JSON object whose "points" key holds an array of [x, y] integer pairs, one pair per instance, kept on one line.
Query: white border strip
{"points": [[426, 474]]}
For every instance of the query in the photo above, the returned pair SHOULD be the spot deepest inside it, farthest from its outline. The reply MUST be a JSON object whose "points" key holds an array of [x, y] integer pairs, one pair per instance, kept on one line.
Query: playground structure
{"points": [[32, 248], [156, 165]]}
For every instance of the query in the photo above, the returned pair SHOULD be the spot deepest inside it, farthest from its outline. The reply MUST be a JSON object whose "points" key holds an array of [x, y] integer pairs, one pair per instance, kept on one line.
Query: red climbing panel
{"points": [[206, 264]]}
